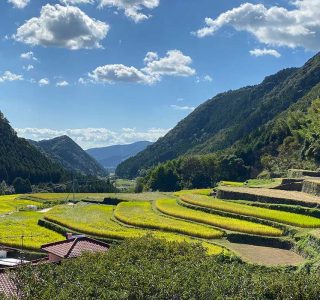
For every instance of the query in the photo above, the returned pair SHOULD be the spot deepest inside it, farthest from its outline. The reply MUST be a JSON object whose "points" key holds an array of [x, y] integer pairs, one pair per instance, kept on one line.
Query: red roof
{"points": [[74, 247], [7, 286]]}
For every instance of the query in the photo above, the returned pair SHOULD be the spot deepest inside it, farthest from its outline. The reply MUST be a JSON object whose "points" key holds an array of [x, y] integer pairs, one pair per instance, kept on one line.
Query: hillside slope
{"points": [[64, 151], [20, 159], [229, 117], [110, 157]]}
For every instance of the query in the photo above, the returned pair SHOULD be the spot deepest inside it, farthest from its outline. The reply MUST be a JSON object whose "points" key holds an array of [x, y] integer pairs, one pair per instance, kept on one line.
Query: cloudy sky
{"points": [[117, 71]]}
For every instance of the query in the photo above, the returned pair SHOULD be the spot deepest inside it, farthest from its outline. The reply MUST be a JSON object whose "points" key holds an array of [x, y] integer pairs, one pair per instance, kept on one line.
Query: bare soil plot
{"points": [[267, 256], [268, 195]]}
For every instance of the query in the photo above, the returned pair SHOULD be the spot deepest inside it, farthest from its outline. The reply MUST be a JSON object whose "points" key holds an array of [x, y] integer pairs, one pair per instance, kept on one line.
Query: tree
{"points": [[3, 188], [22, 186]]}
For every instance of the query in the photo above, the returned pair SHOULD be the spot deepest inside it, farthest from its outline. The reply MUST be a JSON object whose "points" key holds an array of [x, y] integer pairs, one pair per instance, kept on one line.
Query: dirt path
{"points": [[265, 255]]}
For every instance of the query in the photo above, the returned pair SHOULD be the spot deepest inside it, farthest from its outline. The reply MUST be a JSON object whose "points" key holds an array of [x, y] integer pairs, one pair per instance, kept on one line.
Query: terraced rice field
{"points": [[247, 210], [172, 208], [13, 226], [141, 214], [10, 203], [97, 220], [92, 219]]}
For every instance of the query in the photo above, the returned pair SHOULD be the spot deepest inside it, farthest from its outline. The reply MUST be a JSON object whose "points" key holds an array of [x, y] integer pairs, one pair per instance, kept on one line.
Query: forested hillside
{"points": [[20, 159], [236, 118], [64, 151]]}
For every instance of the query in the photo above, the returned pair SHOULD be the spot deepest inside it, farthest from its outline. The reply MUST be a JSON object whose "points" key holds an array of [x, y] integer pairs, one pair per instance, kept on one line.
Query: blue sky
{"points": [[117, 71]]}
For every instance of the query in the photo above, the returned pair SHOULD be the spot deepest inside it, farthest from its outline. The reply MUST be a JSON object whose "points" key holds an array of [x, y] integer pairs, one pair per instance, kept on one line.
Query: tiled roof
{"points": [[7, 286], [74, 247]]}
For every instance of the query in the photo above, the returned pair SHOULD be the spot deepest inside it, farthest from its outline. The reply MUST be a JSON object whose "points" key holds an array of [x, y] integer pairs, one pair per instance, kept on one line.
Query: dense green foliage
{"points": [[200, 171], [20, 159], [147, 268], [64, 151]]}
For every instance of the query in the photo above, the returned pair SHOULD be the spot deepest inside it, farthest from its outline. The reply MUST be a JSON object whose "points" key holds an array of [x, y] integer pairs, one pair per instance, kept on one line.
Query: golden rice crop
{"points": [[13, 226], [92, 219], [205, 192], [172, 208], [11, 203], [97, 220], [141, 214], [247, 210]]}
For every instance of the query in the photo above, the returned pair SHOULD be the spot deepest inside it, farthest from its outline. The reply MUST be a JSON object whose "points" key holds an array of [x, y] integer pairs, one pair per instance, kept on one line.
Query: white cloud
{"points": [[178, 107], [263, 52], [9, 76], [19, 3], [275, 26], [43, 82], [95, 137], [207, 78], [119, 73], [28, 56], [175, 63], [64, 27], [28, 67], [76, 2], [132, 8], [62, 83]]}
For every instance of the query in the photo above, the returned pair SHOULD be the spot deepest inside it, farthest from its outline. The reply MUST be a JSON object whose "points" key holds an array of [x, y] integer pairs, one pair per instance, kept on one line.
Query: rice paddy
{"points": [[141, 214], [11, 203], [18, 224], [247, 210], [97, 220], [172, 208]]}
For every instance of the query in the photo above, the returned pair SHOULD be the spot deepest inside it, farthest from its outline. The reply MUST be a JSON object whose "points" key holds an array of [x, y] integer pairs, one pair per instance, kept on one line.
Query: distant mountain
{"points": [[110, 157], [20, 159], [64, 151], [229, 118]]}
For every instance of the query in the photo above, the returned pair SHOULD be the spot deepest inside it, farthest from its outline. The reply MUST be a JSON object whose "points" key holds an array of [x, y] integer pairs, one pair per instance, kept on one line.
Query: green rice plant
{"points": [[141, 214], [97, 220], [258, 212], [172, 208], [11, 203], [25, 223], [205, 192]]}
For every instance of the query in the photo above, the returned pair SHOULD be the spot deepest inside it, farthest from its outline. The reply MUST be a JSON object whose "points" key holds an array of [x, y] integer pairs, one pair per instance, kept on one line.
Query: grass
{"points": [[141, 214], [25, 223], [172, 208], [205, 192], [11, 203], [97, 220], [247, 210], [266, 183], [148, 196]]}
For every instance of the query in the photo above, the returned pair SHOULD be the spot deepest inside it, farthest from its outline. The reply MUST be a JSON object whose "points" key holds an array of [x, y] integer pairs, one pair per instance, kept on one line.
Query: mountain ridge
{"points": [[67, 153], [228, 117], [111, 156]]}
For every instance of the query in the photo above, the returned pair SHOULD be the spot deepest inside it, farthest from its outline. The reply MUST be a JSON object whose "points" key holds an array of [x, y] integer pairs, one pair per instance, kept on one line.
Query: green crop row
{"points": [[172, 208], [247, 210], [141, 214]]}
